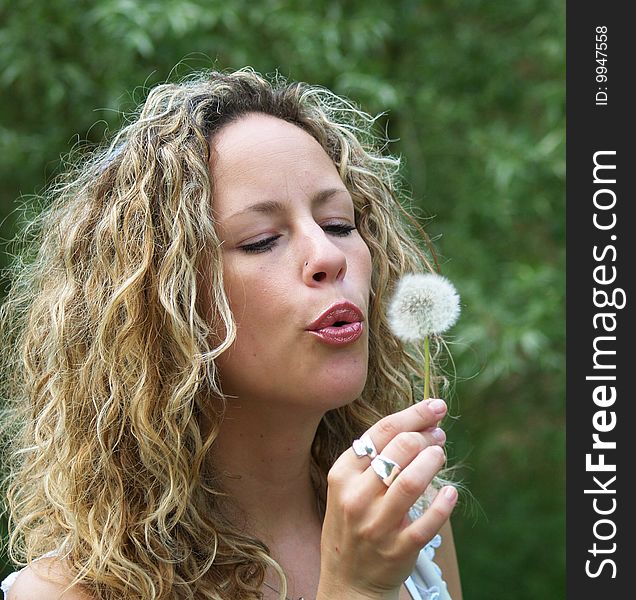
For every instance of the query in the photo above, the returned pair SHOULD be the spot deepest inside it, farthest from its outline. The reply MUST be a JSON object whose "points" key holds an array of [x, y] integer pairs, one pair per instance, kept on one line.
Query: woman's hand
{"points": [[369, 545]]}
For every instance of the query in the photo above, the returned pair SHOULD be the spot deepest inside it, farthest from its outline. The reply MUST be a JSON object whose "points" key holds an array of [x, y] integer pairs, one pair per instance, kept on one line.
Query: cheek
{"points": [[365, 263], [254, 294], [237, 290]]}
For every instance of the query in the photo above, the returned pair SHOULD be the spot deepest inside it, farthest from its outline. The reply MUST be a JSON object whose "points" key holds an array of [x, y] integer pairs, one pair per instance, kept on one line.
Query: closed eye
{"points": [[268, 243]]}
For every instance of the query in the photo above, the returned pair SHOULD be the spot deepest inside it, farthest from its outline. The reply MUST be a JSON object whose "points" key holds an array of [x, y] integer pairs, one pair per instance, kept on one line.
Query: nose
{"points": [[324, 260]]}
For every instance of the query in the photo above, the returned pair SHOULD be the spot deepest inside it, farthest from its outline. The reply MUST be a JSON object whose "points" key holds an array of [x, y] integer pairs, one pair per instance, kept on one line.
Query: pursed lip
{"points": [[340, 311]]}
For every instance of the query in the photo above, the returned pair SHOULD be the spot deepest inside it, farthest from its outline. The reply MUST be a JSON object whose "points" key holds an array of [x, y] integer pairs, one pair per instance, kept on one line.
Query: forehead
{"points": [[258, 131], [260, 155]]}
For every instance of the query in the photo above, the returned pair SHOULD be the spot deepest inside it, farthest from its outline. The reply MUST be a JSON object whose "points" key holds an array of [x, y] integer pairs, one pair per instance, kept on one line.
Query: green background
{"points": [[474, 91]]}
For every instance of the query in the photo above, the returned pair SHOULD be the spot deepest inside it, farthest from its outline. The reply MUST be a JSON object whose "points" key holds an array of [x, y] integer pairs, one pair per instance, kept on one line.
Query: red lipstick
{"points": [[340, 324]]}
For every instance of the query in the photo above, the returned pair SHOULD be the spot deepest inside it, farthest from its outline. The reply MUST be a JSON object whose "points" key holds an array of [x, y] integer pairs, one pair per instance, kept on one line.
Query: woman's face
{"points": [[290, 251]]}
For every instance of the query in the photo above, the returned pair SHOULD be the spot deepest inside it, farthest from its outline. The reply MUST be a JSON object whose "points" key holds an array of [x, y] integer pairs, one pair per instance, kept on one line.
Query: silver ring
{"points": [[386, 469], [364, 447]]}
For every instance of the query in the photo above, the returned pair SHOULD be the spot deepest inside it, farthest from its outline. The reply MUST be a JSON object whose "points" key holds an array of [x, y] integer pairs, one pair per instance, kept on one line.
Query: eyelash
{"points": [[267, 245]]}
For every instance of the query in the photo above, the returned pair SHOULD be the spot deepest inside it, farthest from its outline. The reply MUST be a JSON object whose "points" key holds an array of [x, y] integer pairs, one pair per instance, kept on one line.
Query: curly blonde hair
{"points": [[108, 362]]}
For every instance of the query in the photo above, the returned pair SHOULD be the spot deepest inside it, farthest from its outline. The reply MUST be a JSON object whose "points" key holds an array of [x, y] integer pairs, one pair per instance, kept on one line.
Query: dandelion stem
{"points": [[427, 365]]}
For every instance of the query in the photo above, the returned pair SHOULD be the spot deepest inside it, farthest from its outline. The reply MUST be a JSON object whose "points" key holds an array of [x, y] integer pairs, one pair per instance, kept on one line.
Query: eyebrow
{"points": [[270, 206]]}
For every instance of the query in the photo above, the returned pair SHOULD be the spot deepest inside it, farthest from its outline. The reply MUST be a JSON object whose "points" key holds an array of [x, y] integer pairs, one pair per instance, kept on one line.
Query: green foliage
{"points": [[475, 97]]}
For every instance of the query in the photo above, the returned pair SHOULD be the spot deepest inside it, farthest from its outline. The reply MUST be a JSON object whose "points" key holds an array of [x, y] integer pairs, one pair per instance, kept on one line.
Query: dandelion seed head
{"points": [[423, 304]]}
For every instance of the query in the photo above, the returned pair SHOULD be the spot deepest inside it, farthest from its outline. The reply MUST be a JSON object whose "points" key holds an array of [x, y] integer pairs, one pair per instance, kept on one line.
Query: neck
{"points": [[262, 456]]}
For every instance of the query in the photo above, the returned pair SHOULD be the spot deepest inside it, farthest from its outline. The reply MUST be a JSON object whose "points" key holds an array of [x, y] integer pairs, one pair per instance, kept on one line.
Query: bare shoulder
{"points": [[46, 579]]}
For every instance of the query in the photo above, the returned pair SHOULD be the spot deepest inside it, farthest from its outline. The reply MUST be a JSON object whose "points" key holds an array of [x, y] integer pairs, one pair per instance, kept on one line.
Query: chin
{"points": [[339, 392]]}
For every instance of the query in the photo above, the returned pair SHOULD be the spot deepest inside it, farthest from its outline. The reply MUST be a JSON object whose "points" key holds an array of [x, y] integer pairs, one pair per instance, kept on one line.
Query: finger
{"points": [[404, 449], [421, 531], [420, 417], [411, 483], [406, 445]]}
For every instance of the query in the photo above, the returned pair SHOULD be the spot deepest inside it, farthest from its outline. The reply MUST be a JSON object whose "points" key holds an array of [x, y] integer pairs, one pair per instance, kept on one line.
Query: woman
{"points": [[196, 345]]}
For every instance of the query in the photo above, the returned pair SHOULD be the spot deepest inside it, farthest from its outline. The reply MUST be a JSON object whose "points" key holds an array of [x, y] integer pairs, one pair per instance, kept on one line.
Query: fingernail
{"points": [[439, 451], [437, 406], [438, 435], [450, 493]]}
